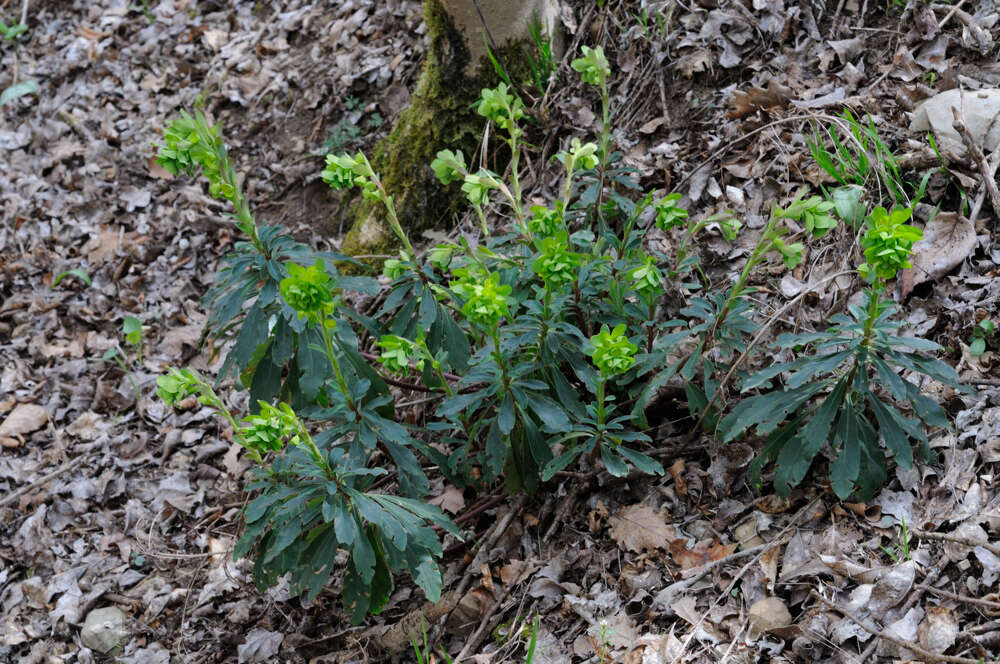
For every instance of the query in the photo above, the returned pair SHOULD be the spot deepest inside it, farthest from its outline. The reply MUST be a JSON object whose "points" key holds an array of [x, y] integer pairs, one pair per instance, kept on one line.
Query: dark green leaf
{"points": [[506, 415]]}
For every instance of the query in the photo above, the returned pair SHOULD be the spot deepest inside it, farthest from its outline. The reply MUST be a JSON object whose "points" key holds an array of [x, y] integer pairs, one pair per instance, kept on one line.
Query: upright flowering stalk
{"points": [[190, 143], [887, 245], [613, 354], [308, 291], [344, 171]]}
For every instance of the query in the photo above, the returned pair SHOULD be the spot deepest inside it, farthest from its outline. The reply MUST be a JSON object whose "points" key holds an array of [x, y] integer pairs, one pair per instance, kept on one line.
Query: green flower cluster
{"points": [[344, 171], [813, 212], [556, 264], [580, 155], [477, 186], [647, 279], [593, 66], [485, 301], [271, 428], [189, 143], [449, 166], [887, 243], [669, 214], [307, 290], [501, 107], [176, 386], [611, 351], [396, 352], [544, 221], [791, 252]]}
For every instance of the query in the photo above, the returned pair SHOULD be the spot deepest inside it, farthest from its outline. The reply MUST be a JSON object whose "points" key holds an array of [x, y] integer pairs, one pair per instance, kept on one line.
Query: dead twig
{"points": [[481, 631], [14, 495], [981, 36], [995, 606], [480, 552], [948, 537], [680, 586], [989, 182], [869, 652], [925, 655]]}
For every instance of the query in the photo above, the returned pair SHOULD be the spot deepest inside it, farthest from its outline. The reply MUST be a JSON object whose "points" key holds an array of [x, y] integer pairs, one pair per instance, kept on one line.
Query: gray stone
{"points": [[105, 629]]}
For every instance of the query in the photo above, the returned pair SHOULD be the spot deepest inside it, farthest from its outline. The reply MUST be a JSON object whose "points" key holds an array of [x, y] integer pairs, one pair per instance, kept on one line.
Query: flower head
{"points": [[500, 106], [546, 221], [580, 155], [477, 186], [270, 429], [176, 386], [887, 243], [611, 351], [669, 214], [813, 212], [556, 264], [307, 290], [647, 278], [449, 166], [395, 355], [339, 171], [593, 66], [486, 300], [189, 143]]}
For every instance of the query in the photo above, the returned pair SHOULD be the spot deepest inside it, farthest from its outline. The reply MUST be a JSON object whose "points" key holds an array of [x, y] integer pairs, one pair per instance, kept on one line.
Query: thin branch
{"points": [[989, 182], [948, 537], [926, 655]]}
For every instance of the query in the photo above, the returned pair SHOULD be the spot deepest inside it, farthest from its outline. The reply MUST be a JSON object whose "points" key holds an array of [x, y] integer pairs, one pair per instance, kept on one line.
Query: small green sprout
{"points": [[983, 329]]}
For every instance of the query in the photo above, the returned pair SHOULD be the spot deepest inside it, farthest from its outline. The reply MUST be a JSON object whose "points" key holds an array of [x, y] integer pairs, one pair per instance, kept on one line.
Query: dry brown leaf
{"points": [[450, 500], [158, 171], [27, 417], [759, 99], [938, 630], [701, 553], [694, 62], [641, 528], [768, 614], [677, 472], [948, 240]]}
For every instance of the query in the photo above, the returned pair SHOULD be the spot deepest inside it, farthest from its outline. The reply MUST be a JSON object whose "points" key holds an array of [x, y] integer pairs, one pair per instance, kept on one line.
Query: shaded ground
{"points": [[109, 500]]}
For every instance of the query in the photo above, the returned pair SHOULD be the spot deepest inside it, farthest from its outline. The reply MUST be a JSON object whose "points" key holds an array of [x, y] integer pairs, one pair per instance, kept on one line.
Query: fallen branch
{"points": [[925, 655], [11, 497], [948, 537], [869, 652], [995, 606], [481, 631], [978, 157]]}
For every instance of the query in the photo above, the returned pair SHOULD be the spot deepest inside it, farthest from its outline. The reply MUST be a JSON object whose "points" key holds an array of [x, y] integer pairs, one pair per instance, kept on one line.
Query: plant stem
{"points": [[601, 414]]}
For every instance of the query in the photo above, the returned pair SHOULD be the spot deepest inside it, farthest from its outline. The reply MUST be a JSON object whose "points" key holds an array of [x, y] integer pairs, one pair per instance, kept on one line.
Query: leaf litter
{"points": [[109, 502]]}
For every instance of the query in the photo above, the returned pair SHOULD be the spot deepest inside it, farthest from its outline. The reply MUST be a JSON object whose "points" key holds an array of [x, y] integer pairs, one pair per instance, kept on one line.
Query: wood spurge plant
{"points": [[542, 342]]}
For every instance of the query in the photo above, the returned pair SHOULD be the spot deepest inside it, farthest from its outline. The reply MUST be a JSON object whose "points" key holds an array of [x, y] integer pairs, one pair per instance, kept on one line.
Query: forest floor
{"points": [[109, 499]]}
